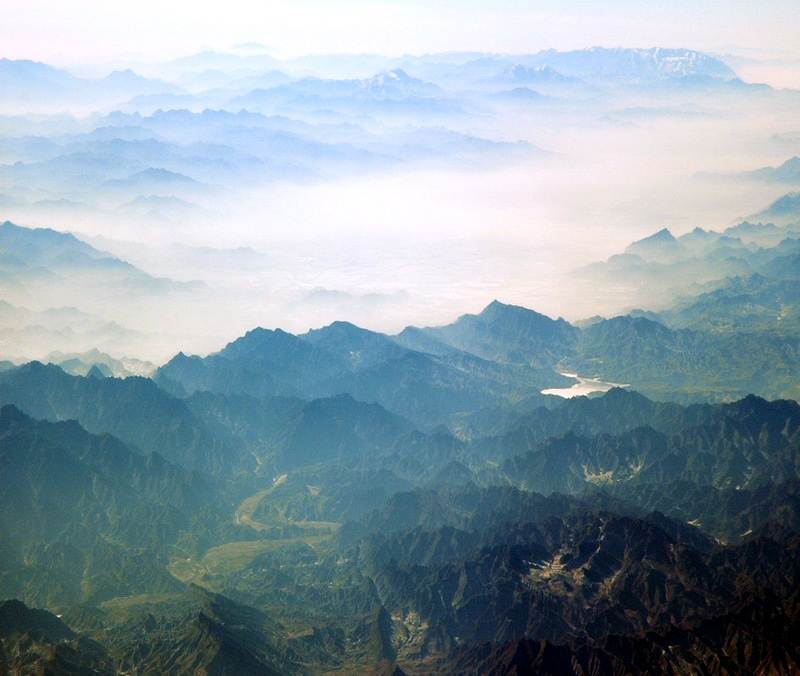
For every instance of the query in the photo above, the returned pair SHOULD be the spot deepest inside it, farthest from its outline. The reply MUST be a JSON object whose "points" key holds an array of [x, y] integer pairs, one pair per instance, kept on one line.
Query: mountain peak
{"points": [[41, 246], [617, 395], [341, 330], [257, 338], [97, 373], [341, 325], [497, 308], [497, 311], [542, 74], [663, 235], [397, 82], [661, 247], [620, 64], [358, 346], [509, 333]]}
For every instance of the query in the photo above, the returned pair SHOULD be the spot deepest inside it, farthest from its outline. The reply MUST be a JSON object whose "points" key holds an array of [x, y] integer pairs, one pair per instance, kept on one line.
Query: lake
{"points": [[583, 387]]}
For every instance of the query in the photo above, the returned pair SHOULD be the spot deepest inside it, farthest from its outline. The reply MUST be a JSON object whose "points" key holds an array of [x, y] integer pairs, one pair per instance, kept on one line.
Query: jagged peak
{"points": [[259, 333]]}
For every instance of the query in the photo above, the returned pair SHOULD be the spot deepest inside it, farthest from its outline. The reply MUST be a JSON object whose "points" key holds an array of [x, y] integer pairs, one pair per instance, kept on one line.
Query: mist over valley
{"points": [[411, 190], [456, 361]]}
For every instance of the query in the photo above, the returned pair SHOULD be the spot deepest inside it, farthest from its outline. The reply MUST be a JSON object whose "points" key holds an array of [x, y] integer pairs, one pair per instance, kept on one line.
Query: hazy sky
{"points": [[456, 237], [53, 30]]}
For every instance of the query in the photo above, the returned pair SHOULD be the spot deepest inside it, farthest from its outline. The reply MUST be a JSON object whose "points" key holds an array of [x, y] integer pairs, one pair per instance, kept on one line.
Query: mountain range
{"points": [[359, 540], [185, 487]]}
